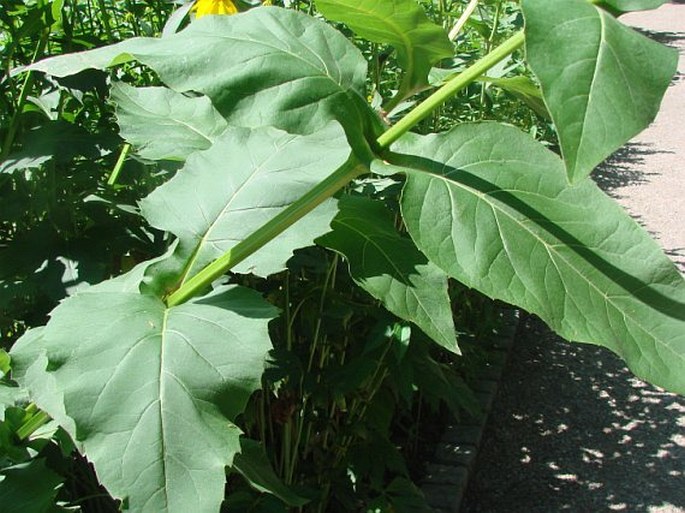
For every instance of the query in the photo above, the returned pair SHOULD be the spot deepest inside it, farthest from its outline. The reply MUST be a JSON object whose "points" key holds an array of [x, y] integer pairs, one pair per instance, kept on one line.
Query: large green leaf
{"points": [[390, 268], [153, 391], [618, 7], [265, 67], [419, 42], [495, 212], [224, 194], [602, 82], [164, 124]]}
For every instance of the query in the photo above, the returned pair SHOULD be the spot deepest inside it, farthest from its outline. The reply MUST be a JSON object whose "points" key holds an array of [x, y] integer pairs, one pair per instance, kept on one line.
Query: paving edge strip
{"points": [[449, 470]]}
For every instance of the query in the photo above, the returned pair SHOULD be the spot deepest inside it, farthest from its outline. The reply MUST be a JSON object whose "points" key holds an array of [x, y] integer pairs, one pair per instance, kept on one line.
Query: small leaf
{"points": [[391, 269], [29, 487], [9, 396], [224, 194], [4, 363], [602, 82], [164, 124], [252, 463], [153, 391], [524, 89], [28, 368], [419, 42], [494, 211]]}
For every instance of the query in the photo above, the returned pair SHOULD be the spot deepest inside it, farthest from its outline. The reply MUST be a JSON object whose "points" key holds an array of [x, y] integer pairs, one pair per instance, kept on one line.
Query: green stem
{"points": [[120, 164], [339, 179], [488, 46], [104, 15], [286, 218], [463, 19], [322, 300], [288, 316], [286, 447], [450, 89], [30, 426], [23, 95]]}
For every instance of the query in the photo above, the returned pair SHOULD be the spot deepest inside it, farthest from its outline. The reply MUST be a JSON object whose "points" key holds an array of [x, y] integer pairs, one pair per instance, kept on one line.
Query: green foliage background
{"points": [[267, 279]]}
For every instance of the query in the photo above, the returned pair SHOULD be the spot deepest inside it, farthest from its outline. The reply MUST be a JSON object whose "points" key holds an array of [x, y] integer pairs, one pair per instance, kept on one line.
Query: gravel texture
{"points": [[571, 429]]}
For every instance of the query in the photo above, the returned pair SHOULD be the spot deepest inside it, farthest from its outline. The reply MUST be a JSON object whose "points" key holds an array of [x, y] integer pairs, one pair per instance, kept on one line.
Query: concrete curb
{"points": [[453, 461]]}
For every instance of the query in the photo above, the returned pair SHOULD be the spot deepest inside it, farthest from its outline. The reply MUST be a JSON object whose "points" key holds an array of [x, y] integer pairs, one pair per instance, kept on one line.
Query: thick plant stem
{"points": [[450, 89], [286, 218], [339, 179]]}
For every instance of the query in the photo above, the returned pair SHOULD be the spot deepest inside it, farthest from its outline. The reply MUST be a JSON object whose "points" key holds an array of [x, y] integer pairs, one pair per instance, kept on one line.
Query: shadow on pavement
{"points": [[667, 38], [625, 167], [571, 429], [597, 439]]}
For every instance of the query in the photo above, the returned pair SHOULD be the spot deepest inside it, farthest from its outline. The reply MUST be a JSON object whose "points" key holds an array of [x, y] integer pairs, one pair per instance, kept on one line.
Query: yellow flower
{"points": [[204, 7]]}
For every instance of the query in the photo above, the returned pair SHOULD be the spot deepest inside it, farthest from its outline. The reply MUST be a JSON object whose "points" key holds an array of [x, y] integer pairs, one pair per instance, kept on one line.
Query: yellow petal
{"points": [[204, 7]]}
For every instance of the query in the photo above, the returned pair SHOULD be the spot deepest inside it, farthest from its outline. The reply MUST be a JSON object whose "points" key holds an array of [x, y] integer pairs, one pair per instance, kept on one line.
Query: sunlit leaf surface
{"points": [[602, 82], [497, 214]]}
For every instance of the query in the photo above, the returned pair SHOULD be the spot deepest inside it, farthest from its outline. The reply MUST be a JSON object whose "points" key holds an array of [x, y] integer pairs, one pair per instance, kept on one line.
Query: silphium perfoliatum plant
{"points": [[267, 109]]}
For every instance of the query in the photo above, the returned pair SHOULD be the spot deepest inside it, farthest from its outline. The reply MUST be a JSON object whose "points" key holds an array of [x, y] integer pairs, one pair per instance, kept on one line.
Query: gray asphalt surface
{"points": [[571, 429]]}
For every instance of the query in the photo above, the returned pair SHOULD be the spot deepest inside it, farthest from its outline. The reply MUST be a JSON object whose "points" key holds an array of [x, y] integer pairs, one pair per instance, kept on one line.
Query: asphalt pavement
{"points": [[571, 429]]}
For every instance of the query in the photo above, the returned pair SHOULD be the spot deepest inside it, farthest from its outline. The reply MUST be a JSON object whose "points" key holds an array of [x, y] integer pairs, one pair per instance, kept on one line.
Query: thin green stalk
{"points": [[448, 90], [376, 68], [30, 426], [286, 218], [104, 15], [90, 17], [286, 447], [288, 316], [299, 426], [488, 46], [324, 292], [23, 95], [120, 164], [442, 9], [463, 19], [328, 284], [417, 424], [358, 409], [262, 414], [51, 204]]}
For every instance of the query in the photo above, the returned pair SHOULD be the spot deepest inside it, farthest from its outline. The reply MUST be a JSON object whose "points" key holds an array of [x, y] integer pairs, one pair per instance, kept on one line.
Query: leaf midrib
{"points": [[550, 248], [203, 240], [591, 88], [161, 388]]}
